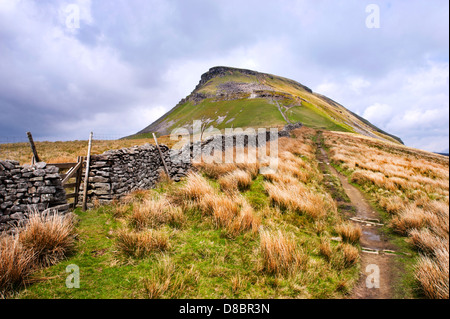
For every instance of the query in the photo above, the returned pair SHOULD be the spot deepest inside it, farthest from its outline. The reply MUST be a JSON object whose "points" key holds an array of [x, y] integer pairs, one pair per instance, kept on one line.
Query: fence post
{"points": [[86, 176], [33, 149], [162, 157], [78, 182]]}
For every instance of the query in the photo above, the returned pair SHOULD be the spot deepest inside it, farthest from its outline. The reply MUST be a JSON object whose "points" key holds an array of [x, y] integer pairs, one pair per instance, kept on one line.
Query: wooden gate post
{"points": [[162, 157], [78, 181], [33, 149], [86, 176]]}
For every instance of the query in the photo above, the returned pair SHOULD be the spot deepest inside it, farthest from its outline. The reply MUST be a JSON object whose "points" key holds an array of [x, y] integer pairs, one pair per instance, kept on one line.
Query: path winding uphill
{"points": [[377, 254]]}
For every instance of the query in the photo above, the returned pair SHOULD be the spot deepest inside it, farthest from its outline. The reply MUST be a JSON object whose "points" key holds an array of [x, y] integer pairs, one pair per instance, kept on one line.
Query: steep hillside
{"points": [[230, 97]]}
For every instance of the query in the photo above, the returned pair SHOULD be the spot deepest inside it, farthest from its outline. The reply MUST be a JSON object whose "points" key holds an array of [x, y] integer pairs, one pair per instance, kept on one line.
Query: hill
{"points": [[231, 97]]}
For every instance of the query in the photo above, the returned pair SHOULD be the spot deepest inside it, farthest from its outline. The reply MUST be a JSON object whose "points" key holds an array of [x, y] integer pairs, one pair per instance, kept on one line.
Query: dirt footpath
{"points": [[378, 254]]}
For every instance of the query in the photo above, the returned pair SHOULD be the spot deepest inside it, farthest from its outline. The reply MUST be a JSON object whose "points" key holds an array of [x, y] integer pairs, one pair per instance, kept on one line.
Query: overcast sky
{"points": [[128, 62]]}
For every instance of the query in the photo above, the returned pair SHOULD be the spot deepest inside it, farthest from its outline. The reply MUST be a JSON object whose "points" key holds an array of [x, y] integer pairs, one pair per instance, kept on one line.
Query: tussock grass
{"points": [[49, 236], [325, 249], [166, 281], [280, 254], [341, 256], [236, 180], [251, 168], [45, 240], [426, 241], [432, 274], [281, 178], [349, 232], [137, 196], [196, 187], [233, 214], [411, 217], [215, 170], [299, 199], [140, 244], [391, 204], [16, 263], [245, 221], [156, 212], [344, 256]]}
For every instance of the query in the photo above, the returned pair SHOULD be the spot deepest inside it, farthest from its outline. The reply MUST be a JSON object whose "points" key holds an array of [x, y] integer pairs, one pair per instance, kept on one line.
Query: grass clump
{"points": [[156, 212], [236, 180], [280, 254], [349, 232], [45, 240], [50, 237], [141, 244], [16, 264]]}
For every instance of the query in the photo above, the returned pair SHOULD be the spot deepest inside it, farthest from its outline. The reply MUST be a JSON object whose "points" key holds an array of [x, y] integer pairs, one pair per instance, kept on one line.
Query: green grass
{"points": [[311, 117], [245, 113]]}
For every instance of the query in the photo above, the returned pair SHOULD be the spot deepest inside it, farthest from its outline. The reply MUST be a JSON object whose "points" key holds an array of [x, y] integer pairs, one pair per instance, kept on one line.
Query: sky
{"points": [[113, 67]]}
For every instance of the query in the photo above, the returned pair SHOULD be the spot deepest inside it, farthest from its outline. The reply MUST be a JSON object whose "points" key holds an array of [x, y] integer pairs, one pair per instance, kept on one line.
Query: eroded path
{"points": [[378, 254]]}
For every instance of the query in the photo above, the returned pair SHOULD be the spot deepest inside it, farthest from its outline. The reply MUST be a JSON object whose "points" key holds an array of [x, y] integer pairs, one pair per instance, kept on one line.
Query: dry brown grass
{"points": [[167, 280], [280, 254], [245, 221], [350, 254], [298, 198], [137, 196], [140, 244], [411, 185], [325, 249], [349, 232], [282, 178], [341, 256], [426, 241], [236, 283], [231, 213], [63, 152], [411, 217], [49, 236], [16, 263], [45, 240], [391, 204], [196, 187], [344, 256], [432, 274], [215, 170], [236, 180], [156, 212]]}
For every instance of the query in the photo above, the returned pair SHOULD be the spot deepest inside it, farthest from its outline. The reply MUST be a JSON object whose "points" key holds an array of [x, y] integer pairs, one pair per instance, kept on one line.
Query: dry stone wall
{"points": [[27, 188], [116, 173]]}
